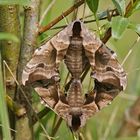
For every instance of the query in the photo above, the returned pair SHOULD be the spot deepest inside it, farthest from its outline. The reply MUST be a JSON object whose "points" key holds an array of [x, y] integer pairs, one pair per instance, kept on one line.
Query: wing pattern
{"points": [[78, 47]]}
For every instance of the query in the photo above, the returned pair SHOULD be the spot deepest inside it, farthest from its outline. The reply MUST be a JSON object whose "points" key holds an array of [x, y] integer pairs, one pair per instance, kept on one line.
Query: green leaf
{"points": [[104, 28], [120, 5], [135, 27], [8, 36], [20, 2], [136, 7], [3, 108], [93, 5], [119, 25]]}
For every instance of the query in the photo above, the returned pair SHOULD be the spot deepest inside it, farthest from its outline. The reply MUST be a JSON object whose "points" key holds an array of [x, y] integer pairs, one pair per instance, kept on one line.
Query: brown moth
{"points": [[79, 48]]}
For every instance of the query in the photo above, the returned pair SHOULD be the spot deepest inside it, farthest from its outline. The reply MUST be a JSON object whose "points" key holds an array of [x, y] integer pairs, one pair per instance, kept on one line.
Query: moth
{"points": [[78, 48]]}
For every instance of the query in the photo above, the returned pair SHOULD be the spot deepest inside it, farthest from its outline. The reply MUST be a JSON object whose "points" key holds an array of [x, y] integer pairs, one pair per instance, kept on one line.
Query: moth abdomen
{"points": [[75, 98], [75, 58]]}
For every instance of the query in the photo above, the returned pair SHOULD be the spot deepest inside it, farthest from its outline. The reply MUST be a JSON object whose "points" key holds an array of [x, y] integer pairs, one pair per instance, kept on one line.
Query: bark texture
{"points": [[23, 124], [9, 22], [10, 50]]}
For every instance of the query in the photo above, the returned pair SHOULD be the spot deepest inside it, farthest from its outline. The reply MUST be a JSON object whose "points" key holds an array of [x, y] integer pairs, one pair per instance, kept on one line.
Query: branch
{"points": [[46, 11], [100, 17], [108, 33], [71, 9], [41, 114], [9, 22], [29, 42]]}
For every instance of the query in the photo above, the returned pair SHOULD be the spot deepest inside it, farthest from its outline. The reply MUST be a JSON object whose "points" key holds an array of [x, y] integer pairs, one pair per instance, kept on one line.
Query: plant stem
{"points": [[23, 124], [3, 108]]}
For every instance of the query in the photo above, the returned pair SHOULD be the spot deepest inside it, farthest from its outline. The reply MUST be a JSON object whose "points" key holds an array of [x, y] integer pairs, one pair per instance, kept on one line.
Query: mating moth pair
{"points": [[78, 48]]}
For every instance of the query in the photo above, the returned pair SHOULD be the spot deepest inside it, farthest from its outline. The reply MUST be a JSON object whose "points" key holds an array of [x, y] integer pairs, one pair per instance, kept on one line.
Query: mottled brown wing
{"points": [[42, 72], [91, 43], [54, 99], [108, 70], [42, 65], [90, 108], [109, 76]]}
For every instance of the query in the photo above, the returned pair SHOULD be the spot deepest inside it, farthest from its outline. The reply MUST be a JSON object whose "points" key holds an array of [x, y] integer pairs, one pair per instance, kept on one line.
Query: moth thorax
{"points": [[76, 30]]}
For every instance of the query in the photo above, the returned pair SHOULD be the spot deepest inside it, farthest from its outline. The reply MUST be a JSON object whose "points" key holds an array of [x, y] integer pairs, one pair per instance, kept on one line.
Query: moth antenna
{"points": [[65, 18]]}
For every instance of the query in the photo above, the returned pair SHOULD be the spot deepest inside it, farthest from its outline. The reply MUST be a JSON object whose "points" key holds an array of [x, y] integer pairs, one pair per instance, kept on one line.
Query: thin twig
{"points": [[46, 11], [75, 11], [41, 114], [47, 27], [111, 120], [108, 33], [114, 13], [56, 127], [9, 128], [66, 20], [130, 51]]}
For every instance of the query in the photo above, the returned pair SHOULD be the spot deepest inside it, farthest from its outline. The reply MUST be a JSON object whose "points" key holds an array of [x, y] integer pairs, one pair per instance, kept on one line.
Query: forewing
{"points": [[91, 44], [42, 65], [45, 61], [42, 72]]}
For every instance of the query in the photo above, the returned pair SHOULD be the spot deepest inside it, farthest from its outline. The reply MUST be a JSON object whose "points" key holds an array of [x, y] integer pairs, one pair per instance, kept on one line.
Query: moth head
{"points": [[76, 30], [75, 121]]}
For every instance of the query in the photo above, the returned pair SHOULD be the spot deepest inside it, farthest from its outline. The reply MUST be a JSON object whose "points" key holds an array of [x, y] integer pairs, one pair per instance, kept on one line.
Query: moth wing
{"points": [[55, 100], [41, 66], [91, 44], [109, 76], [49, 95], [45, 61], [108, 70]]}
